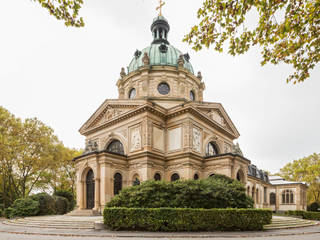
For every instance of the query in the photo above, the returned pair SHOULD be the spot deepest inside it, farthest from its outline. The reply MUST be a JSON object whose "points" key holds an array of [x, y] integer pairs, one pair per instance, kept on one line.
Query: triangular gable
{"points": [[217, 113], [109, 110]]}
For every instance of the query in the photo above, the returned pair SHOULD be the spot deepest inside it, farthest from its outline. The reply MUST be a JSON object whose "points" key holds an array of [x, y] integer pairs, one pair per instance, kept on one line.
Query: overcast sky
{"points": [[61, 75]]}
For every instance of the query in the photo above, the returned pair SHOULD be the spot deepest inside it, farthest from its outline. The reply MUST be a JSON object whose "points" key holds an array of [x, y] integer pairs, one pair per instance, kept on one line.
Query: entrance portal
{"points": [[90, 189]]}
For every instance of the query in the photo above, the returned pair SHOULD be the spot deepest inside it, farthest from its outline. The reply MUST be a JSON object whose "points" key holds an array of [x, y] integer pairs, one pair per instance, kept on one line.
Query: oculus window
{"points": [[163, 88]]}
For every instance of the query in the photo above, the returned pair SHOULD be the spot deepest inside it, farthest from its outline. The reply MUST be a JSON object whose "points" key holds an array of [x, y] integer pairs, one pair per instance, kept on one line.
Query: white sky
{"points": [[61, 75]]}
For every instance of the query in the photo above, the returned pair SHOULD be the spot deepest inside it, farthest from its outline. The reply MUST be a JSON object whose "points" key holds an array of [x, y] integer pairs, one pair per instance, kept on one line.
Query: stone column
{"points": [[96, 194], [81, 194]]}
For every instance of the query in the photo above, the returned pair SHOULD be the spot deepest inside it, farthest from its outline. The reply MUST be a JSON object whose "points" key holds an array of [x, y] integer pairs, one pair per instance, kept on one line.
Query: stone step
{"points": [[288, 226], [84, 212], [51, 225], [285, 222], [50, 222]]}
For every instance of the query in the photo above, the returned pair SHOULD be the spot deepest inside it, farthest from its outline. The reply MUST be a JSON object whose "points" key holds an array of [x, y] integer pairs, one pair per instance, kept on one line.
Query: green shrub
{"points": [[69, 196], [23, 207], [215, 192], [1, 213], [46, 202], [295, 213], [314, 207], [312, 216], [178, 219], [8, 212], [61, 205]]}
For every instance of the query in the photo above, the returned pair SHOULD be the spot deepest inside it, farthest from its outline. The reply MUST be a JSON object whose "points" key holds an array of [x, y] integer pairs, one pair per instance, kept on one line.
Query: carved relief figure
{"points": [[196, 140], [135, 140]]}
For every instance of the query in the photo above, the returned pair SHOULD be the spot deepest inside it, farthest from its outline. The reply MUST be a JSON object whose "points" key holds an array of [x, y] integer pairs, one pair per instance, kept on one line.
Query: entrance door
{"points": [[90, 189]]}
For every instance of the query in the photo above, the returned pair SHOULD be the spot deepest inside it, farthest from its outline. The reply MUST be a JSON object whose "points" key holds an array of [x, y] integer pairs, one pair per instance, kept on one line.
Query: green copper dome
{"points": [[160, 52]]}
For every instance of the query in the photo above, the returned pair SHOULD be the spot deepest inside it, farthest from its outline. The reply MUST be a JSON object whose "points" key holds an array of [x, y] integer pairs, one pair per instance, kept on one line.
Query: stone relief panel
{"points": [[91, 146], [196, 140], [135, 139], [174, 137], [227, 148], [158, 138]]}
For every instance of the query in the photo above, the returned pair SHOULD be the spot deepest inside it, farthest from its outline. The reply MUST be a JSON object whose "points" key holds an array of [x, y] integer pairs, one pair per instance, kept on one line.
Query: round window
{"points": [[132, 93], [163, 88], [192, 97]]}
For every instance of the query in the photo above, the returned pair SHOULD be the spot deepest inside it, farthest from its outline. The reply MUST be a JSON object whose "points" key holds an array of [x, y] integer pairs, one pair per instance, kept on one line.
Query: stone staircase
{"points": [[84, 212], [96, 222], [56, 222], [289, 222]]}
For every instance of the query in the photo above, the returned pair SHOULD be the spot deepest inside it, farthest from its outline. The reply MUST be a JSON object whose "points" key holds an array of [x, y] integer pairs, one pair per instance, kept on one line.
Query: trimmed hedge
{"points": [[295, 213], [182, 219], [215, 192], [305, 215], [312, 216]]}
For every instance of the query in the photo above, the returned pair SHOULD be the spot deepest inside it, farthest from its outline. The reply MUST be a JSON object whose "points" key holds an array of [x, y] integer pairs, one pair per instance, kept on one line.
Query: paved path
{"points": [[5, 236], [20, 232]]}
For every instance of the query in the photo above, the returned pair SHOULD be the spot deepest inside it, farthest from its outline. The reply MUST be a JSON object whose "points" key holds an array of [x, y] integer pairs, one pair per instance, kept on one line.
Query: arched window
{"points": [[132, 93], [272, 199], [257, 196], [211, 149], [175, 177], [248, 190], [136, 182], [115, 147], [211, 175], [117, 183], [196, 177], [157, 177], [240, 176], [287, 197], [192, 96], [252, 194]]}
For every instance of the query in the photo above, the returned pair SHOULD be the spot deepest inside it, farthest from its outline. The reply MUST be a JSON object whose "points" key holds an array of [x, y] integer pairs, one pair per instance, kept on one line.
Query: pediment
{"points": [[217, 114], [108, 111]]}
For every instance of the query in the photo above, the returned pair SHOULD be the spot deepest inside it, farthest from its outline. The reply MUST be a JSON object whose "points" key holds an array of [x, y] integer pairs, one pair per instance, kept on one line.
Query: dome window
{"points": [[132, 93], [163, 48], [211, 149], [163, 88], [192, 96]]}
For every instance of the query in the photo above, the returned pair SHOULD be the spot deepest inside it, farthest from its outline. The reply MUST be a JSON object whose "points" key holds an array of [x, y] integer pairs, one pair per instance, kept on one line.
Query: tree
{"points": [[62, 176], [65, 10], [287, 31], [307, 170], [32, 158]]}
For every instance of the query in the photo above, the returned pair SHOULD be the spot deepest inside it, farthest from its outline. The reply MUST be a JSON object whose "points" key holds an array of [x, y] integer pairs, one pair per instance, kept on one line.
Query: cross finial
{"points": [[160, 7]]}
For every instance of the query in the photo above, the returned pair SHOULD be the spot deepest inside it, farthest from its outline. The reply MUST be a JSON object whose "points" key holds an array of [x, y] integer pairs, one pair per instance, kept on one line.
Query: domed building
{"points": [[161, 128]]}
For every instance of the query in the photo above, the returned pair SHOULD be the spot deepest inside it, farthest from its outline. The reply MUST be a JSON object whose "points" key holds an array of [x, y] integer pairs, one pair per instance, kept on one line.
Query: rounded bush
{"points": [[8, 212], [214, 192], [23, 207], [314, 207], [61, 205], [47, 205], [69, 196]]}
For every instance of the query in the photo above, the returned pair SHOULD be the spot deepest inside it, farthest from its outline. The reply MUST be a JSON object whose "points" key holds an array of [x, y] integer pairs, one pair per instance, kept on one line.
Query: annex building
{"points": [[161, 128]]}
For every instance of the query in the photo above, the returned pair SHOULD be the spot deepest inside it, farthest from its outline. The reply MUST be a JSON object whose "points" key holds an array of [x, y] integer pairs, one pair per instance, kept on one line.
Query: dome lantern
{"points": [[160, 29]]}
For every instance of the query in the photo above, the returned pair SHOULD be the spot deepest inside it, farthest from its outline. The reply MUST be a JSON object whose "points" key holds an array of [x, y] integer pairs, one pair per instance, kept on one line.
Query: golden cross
{"points": [[160, 7]]}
